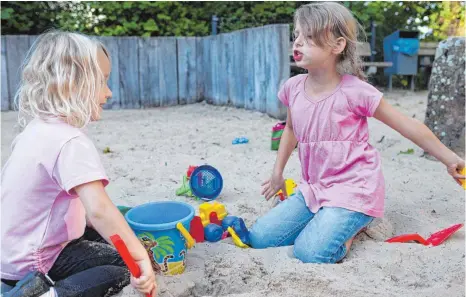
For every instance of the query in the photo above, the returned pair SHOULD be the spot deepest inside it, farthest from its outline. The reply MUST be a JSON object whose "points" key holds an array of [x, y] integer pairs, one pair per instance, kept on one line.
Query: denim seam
{"points": [[344, 244], [283, 238]]}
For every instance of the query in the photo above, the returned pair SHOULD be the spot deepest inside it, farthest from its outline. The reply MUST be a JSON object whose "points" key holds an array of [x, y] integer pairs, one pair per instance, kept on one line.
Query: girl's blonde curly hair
{"points": [[61, 78], [324, 23]]}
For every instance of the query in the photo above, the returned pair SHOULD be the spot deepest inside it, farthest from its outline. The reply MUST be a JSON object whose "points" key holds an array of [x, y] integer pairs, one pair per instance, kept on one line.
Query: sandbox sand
{"points": [[151, 150]]}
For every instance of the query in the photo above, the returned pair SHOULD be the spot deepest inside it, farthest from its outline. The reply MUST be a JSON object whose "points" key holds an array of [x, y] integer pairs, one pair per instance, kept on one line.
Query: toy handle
{"points": [[189, 239], [126, 256], [236, 240], [408, 237], [463, 181]]}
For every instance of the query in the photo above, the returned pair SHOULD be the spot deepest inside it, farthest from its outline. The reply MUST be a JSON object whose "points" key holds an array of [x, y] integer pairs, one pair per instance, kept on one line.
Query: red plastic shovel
{"points": [[434, 240], [126, 256]]}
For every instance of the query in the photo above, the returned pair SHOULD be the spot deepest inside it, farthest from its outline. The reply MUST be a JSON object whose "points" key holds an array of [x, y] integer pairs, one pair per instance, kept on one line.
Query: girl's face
{"points": [[105, 93], [307, 54]]}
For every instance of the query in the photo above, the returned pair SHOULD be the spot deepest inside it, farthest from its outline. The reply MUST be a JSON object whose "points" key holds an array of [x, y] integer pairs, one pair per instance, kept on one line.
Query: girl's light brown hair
{"points": [[324, 23], [61, 78]]}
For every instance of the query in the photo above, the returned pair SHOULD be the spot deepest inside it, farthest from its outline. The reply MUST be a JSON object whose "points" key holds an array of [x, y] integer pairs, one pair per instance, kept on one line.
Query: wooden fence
{"points": [[244, 69]]}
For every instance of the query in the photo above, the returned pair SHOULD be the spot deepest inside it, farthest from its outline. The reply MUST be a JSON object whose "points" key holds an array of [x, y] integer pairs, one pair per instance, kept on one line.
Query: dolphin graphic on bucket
{"points": [[162, 229]]}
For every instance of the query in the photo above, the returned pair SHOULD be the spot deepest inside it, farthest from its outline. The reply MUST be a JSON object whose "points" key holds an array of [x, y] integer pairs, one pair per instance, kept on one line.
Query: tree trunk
{"points": [[445, 103]]}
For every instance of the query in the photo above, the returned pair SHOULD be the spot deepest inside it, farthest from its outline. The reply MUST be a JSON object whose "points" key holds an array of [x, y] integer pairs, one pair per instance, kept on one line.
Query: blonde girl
{"points": [[56, 216]]}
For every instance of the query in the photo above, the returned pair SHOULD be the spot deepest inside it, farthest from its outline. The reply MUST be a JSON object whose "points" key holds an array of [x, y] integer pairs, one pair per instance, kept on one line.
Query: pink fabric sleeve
{"points": [[363, 98], [78, 163], [284, 93]]}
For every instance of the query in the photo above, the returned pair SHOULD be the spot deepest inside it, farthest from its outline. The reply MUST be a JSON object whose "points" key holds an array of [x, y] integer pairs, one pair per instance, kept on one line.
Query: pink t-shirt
{"points": [[40, 211], [339, 167]]}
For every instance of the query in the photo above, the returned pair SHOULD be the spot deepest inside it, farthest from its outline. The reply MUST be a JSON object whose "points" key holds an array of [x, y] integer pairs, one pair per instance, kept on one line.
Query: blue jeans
{"points": [[317, 238]]}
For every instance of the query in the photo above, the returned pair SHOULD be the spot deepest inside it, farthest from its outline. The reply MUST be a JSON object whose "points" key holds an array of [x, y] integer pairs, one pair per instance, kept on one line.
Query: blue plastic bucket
{"points": [[155, 224]]}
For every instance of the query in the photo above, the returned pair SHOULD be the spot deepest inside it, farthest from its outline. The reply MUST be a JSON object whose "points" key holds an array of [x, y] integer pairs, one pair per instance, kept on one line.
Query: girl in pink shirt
{"points": [[53, 182], [342, 187]]}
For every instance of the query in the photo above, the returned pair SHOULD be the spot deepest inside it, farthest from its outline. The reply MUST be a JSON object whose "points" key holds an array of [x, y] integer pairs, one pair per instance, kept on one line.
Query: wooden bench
{"points": [[427, 48]]}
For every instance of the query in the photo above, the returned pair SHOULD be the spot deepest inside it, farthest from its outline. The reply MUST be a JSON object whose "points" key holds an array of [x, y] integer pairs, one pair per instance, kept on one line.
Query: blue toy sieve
{"points": [[206, 182]]}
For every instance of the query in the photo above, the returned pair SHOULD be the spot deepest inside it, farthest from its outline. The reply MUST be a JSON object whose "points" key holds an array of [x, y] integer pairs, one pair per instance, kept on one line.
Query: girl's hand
{"points": [[271, 186], [146, 282], [454, 170]]}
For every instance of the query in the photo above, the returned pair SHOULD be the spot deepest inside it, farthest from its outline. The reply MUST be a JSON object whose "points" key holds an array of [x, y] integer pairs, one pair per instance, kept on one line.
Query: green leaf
{"points": [[156, 253], [166, 249], [6, 13], [164, 238], [162, 16], [407, 152], [150, 26], [160, 251]]}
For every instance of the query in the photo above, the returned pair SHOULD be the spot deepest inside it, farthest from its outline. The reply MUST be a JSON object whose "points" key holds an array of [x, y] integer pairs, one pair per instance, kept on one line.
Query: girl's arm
{"points": [[88, 222], [287, 144], [418, 133], [107, 220]]}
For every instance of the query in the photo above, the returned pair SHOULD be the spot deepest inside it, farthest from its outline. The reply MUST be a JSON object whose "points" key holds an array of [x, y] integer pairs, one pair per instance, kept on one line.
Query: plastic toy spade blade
{"points": [[439, 237]]}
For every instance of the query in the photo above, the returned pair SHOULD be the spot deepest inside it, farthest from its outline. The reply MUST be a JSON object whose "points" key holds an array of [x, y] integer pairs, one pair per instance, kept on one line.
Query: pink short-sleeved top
{"points": [[339, 167], [40, 211]]}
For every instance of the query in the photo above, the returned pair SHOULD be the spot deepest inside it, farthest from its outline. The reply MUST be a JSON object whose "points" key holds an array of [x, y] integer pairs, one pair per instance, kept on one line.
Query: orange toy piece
{"points": [[206, 208], [463, 181]]}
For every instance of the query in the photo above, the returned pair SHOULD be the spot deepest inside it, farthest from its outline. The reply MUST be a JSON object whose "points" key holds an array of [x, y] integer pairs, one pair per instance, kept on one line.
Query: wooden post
{"points": [[214, 24]]}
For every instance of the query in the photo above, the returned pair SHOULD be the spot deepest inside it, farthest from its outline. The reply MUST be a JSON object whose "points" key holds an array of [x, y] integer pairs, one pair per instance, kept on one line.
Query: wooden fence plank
{"points": [[236, 75], [169, 65], [207, 60], [224, 68], [111, 44], [32, 39], [129, 72], [249, 69], [277, 38], [187, 74], [270, 43], [200, 69], [149, 72], [5, 93], [167, 69], [262, 68], [17, 47], [214, 65]]}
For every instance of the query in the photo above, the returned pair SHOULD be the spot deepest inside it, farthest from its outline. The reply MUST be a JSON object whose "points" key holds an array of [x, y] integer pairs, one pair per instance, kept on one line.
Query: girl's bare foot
{"points": [[350, 241], [348, 244]]}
